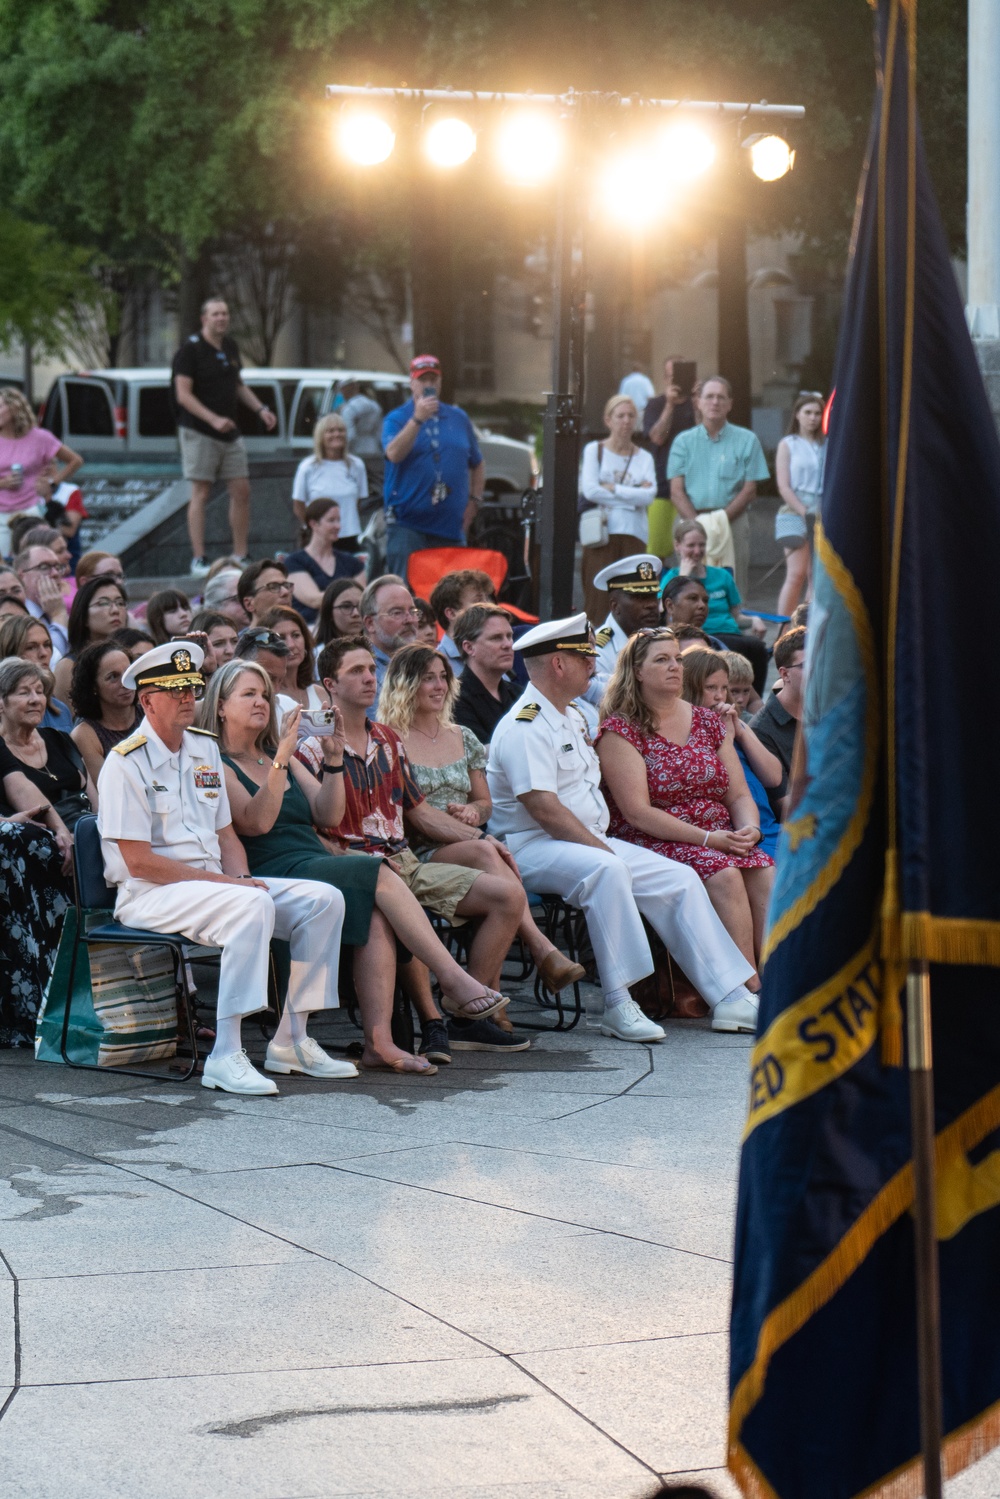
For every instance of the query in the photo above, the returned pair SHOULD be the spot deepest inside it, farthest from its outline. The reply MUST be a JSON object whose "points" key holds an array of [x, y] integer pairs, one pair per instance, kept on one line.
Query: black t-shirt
{"points": [[477, 709], [681, 419], [216, 375], [60, 775]]}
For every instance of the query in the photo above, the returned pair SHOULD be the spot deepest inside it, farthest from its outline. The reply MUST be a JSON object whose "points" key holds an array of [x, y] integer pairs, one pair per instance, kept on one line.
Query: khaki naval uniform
{"points": [[177, 803], [537, 748]]}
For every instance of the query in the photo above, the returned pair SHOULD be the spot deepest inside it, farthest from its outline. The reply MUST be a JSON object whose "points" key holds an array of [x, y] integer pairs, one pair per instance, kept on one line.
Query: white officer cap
{"points": [[176, 664], [639, 573], [571, 634]]}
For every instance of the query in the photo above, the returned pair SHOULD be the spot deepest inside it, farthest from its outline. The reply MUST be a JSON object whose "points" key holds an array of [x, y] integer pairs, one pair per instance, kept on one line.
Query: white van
{"points": [[118, 414]]}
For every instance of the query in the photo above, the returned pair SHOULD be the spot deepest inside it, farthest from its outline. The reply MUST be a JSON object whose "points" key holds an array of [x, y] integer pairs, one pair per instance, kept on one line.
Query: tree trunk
{"points": [[734, 326], [432, 258], [195, 285]]}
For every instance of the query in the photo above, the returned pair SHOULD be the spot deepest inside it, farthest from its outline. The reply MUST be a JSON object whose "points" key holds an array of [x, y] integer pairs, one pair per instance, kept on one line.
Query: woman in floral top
{"points": [[449, 765], [674, 784]]}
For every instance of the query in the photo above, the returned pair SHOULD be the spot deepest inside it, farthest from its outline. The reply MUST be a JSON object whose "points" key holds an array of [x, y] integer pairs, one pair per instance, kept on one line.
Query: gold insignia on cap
{"points": [[528, 713], [181, 660], [645, 571]]}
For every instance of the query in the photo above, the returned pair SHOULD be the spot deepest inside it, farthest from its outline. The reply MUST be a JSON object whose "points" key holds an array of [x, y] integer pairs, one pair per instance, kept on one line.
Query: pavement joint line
{"points": [[666, 1337], [138, 1379], [650, 1069], [17, 1335], [501, 1207], [159, 1270]]}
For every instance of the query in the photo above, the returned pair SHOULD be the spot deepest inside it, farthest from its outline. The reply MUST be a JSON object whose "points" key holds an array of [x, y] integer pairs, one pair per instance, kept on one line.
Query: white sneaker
{"points": [[736, 1015], [199, 567], [628, 1023], [306, 1056], [234, 1074]]}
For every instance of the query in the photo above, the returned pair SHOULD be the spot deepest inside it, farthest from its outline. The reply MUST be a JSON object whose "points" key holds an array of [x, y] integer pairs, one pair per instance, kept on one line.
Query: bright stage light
{"points": [[528, 147], [365, 138], [633, 191], [685, 152], [450, 141], [770, 157]]}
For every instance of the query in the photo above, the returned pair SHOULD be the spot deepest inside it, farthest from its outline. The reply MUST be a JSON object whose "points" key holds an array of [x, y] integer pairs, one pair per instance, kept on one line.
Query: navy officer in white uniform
{"points": [[169, 846], [632, 584], [544, 778]]}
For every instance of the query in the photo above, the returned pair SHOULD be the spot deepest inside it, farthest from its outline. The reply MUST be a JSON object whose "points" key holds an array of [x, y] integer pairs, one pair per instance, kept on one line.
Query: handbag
{"points": [[594, 521], [72, 804]]}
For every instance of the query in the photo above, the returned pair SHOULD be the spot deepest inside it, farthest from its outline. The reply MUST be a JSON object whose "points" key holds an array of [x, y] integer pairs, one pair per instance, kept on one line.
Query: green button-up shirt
{"points": [[715, 469]]}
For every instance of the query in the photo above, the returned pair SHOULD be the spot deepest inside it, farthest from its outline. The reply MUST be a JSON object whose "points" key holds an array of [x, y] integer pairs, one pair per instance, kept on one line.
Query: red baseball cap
{"points": [[424, 363]]}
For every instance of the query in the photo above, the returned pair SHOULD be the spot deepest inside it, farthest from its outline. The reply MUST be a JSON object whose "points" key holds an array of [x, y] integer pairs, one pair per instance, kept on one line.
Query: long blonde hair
{"points": [[320, 430], [624, 694], [24, 416], [221, 685], [403, 679]]}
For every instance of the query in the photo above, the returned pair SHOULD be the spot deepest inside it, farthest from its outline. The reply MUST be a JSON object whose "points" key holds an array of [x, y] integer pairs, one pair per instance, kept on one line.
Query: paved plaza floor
{"points": [[511, 1279]]}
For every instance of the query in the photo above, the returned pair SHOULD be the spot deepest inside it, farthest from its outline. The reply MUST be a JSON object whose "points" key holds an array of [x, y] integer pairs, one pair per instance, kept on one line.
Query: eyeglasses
{"points": [[658, 632], [267, 639], [346, 609], [106, 604], [52, 568], [399, 614], [814, 395], [178, 692], [282, 587]]}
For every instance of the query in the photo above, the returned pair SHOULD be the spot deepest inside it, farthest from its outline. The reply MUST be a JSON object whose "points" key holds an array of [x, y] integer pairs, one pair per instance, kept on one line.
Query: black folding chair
{"points": [[94, 894]]}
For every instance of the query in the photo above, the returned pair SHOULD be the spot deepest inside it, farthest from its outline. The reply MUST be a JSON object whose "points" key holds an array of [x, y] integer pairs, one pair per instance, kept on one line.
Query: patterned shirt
{"points": [[379, 789]]}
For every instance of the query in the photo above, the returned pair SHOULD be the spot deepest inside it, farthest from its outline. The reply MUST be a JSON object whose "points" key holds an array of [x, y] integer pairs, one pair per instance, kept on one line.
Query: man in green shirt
{"points": [[716, 466]]}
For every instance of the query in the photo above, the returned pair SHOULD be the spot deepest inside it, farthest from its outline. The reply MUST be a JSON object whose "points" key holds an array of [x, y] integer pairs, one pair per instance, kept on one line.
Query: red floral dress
{"points": [[690, 782]]}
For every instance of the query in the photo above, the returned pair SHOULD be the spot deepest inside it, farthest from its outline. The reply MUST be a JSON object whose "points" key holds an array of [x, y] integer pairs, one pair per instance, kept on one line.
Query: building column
{"points": [[983, 210]]}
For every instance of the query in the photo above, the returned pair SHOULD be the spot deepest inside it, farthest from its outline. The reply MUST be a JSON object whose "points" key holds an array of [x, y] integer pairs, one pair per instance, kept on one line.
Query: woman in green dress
{"points": [[274, 802]]}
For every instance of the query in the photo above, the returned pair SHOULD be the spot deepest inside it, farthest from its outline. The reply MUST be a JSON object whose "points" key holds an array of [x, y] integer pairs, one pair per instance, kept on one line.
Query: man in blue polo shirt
{"points": [[434, 471]]}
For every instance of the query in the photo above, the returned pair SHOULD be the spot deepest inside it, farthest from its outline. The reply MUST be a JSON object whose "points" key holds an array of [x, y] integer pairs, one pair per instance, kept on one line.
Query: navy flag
{"points": [[890, 853]]}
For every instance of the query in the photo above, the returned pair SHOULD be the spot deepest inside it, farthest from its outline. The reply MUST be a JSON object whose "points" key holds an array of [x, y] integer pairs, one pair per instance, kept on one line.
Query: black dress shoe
{"points": [[483, 1035], [434, 1043]]}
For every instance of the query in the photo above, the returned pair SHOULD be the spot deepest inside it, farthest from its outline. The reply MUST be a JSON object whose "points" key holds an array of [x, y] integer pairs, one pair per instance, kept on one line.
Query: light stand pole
{"points": [[560, 457]]}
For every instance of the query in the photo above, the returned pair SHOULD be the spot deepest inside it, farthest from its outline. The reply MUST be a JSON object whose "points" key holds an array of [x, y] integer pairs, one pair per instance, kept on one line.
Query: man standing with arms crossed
{"points": [[434, 472], [207, 386]]}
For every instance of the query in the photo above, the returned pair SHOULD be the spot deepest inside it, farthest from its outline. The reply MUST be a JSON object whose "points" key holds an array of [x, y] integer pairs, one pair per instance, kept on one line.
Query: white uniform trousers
{"points": [[614, 888], [242, 920]]}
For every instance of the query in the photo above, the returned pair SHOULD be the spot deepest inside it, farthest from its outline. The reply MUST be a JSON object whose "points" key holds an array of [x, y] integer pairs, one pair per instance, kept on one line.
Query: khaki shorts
{"points": [[208, 458], [440, 887]]}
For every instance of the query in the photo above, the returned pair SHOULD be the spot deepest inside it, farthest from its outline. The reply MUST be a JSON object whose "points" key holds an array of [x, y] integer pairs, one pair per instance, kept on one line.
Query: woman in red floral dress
{"points": [[674, 784]]}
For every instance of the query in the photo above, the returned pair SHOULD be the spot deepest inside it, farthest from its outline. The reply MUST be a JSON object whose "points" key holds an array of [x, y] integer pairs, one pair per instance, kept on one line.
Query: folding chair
{"points": [[93, 894], [558, 918], [427, 567]]}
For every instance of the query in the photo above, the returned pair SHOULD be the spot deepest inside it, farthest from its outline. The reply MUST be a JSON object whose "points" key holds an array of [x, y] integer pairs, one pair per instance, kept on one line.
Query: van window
{"points": [[309, 409], [288, 389], [90, 413], [156, 415], [391, 396], [52, 416], [249, 423]]}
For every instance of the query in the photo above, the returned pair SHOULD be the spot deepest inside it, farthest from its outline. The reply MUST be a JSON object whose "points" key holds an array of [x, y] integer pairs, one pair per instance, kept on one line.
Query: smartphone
{"points": [[685, 375], [319, 721]]}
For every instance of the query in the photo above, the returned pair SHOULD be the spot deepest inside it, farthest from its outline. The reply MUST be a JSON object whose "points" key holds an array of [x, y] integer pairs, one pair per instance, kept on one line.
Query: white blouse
{"points": [[634, 480], [806, 461], [342, 479]]}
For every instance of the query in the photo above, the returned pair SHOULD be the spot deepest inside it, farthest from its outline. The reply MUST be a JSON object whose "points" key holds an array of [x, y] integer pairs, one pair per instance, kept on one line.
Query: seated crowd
{"points": [[358, 772]]}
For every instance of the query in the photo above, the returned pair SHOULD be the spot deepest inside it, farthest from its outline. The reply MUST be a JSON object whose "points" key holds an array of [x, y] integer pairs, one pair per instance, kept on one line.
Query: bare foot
{"points": [[394, 1060]]}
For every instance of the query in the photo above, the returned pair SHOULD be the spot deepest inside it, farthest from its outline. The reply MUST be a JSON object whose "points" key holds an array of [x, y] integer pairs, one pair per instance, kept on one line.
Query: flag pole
{"points": [[921, 1068]]}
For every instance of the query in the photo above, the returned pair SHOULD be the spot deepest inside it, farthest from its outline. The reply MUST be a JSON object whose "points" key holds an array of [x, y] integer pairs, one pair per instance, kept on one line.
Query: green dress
{"points": [[292, 851]]}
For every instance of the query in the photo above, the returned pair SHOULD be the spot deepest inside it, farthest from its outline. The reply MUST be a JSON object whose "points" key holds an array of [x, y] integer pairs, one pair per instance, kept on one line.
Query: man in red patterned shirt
{"points": [[379, 788]]}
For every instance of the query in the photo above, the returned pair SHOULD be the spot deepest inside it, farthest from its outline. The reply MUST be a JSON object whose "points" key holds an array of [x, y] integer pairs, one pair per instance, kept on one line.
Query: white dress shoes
{"points": [[306, 1056], [628, 1023], [234, 1074], [736, 1015]]}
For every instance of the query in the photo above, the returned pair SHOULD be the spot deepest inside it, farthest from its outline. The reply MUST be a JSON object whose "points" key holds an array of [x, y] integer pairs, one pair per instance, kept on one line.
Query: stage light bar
{"points": [[771, 157], [449, 141], [528, 147], [366, 138], [684, 151]]}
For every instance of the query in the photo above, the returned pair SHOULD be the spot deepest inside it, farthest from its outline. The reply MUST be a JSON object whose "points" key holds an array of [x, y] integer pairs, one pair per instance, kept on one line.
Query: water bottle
{"points": [[17, 473], [595, 1006]]}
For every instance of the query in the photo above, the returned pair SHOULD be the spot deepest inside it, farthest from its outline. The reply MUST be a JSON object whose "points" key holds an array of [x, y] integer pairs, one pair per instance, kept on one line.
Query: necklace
{"points": [[432, 737], [242, 755]]}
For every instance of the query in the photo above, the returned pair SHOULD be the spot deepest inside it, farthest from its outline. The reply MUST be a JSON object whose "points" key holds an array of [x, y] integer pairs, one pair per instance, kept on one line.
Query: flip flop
{"points": [[462, 1012], [400, 1069]]}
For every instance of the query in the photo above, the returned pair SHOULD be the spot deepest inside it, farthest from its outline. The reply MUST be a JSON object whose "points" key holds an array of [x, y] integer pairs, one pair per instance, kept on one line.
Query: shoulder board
{"points": [[207, 732], [603, 636], [128, 745], [528, 713]]}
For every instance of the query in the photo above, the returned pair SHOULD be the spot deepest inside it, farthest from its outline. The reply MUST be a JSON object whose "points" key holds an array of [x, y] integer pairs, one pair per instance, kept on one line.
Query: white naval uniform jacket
{"points": [[175, 802], [537, 748]]}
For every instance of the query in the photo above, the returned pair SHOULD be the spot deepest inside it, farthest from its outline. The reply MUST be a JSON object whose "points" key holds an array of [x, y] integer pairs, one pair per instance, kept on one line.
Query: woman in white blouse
{"points": [[332, 473], [621, 478], [799, 464]]}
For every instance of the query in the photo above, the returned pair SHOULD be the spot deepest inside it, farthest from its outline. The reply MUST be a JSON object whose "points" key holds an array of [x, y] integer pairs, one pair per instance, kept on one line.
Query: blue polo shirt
{"points": [[445, 449]]}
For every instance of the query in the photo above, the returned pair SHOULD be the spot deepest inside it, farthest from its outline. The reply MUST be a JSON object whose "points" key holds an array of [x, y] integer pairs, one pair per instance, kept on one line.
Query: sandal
{"points": [[473, 1008]]}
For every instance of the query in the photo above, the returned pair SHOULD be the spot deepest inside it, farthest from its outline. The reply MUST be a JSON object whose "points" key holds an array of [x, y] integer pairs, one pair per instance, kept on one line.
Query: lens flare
{"points": [[365, 138], [685, 152], [770, 157], [449, 142], [633, 189], [528, 147]]}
